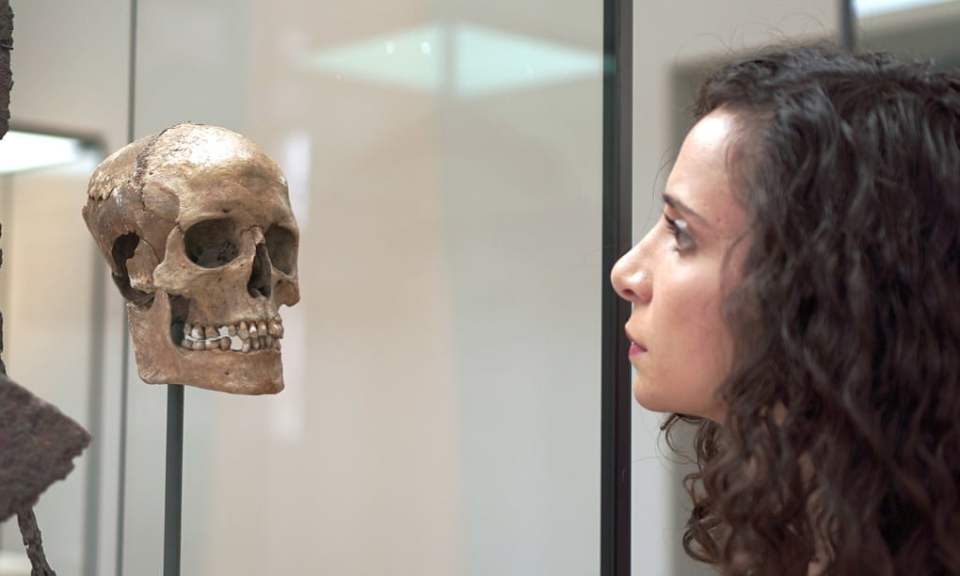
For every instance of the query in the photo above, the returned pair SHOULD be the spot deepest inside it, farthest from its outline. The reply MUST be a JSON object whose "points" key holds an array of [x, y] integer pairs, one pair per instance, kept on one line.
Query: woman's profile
{"points": [[799, 302]]}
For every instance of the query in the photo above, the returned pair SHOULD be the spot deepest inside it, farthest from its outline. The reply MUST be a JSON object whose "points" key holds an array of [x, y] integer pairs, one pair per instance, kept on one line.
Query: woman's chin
{"points": [[654, 400], [649, 398]]}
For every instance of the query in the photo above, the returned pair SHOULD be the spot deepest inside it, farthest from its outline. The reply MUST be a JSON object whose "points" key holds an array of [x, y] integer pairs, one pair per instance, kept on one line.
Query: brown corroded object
{"points": [[37, 447], [195, 223], [6, 74], [33, 542]]}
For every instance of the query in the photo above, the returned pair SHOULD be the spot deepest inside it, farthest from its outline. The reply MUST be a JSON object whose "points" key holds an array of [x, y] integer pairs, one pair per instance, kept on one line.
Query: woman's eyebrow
{"points": [[679, 206]]}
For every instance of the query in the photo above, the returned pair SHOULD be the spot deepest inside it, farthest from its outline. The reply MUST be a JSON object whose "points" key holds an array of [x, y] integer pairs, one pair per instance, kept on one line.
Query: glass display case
{"points": [[442, 409], [453, 168], [51, 295]]}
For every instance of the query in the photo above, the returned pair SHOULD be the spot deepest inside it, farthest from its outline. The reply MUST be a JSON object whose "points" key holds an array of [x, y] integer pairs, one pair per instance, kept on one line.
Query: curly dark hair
{"points": [[840, 448]]}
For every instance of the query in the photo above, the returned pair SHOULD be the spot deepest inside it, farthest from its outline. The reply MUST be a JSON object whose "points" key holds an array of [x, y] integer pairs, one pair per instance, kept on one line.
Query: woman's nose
{"points": [[631, 279]]}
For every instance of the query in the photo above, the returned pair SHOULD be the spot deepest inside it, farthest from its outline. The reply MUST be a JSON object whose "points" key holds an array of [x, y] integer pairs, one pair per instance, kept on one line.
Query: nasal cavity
{"points": [[260, 277]]}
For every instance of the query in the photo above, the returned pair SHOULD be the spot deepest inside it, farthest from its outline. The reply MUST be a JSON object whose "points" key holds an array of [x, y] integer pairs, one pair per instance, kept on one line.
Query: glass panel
{"points": [[915, 29], [51, 284], [442, 405], [64, 317], [872, 8]]}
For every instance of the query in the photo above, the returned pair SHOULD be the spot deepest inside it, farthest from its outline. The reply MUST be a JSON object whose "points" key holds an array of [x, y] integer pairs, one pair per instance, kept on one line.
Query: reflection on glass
{"points": [[876, 7], [412, 59], [917, 30], [484, 60], [21, 151]]}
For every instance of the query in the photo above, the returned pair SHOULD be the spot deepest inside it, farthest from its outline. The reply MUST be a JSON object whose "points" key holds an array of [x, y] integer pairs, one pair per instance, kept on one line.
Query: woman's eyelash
{"points": [[672, 224], [678, 231]]}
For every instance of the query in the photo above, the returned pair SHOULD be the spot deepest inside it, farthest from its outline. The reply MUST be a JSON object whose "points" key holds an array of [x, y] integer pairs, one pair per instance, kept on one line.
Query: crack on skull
{"points": [[152, 249], [143, 157], [150, 246], [137, 183]]}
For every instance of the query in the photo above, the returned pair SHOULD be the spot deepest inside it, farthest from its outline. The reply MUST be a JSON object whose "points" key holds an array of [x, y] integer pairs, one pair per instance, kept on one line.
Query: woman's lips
{"points": [[634, 347]]}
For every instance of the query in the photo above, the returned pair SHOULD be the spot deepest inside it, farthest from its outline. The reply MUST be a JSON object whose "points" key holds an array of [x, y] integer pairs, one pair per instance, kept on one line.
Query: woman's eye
{"points": [[678, 229]]}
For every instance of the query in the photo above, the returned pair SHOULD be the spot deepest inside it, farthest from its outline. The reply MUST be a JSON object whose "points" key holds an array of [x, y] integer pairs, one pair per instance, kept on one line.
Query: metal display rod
{"points": [[173, 487]]}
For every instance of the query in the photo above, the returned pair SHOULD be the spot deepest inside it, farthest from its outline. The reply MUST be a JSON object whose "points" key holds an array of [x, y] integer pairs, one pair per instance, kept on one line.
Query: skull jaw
{"points": [[159, 361]]}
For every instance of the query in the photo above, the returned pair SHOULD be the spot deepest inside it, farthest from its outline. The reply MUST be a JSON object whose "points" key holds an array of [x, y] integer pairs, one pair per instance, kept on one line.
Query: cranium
{"points": [[195, 223]]}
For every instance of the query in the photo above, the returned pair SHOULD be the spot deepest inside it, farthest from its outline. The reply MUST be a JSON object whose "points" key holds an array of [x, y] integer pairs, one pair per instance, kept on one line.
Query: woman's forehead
{"points": [[700, 176]]}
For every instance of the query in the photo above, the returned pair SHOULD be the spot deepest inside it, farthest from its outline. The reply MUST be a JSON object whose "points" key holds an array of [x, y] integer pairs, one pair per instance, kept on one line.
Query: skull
{"points": [[195, 223]]}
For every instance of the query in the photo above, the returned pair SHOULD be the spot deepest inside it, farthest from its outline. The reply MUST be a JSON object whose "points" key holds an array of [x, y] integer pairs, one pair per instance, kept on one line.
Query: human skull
{"points": [[195, 223]]}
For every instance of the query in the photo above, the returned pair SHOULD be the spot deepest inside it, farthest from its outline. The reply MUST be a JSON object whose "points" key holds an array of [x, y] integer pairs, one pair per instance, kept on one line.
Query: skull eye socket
{"points": [[211, 244], [282, 247]]}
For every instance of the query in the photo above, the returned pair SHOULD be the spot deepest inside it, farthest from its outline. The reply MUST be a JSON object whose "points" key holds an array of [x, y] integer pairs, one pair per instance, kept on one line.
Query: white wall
{"points": [[70, 64]]}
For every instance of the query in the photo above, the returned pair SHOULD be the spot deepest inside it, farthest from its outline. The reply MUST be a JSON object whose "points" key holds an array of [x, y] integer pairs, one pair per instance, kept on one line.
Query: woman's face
{"points": [[674, 277]]}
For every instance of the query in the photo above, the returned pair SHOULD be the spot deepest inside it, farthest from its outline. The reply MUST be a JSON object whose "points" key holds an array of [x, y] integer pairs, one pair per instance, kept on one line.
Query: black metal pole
{"points": [[173, 488], [617, 239]]}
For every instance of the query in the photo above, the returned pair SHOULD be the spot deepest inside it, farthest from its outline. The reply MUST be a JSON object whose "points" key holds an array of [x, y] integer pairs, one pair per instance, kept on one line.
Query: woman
{"points": [[799, 301]]}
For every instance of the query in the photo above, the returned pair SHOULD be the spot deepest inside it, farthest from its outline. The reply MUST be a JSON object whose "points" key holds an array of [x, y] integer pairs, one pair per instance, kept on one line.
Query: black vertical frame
{"points": [[848, 28], [617, 239]]}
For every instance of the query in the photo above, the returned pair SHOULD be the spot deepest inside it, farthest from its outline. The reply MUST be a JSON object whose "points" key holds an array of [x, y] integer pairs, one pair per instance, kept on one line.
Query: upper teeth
{"points": [[244, 336]]}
